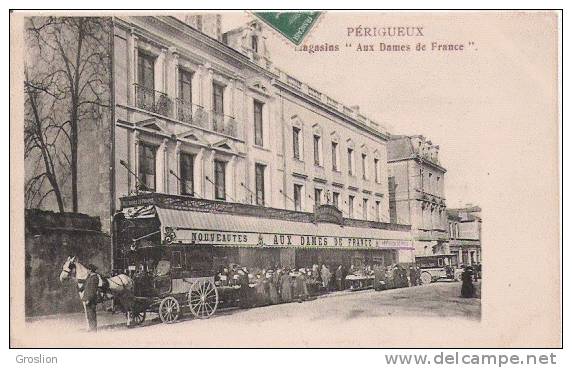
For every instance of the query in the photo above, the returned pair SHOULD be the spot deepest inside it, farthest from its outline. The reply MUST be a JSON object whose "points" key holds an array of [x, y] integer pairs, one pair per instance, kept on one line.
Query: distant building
{"points": [[416, 192], [465, 234]]}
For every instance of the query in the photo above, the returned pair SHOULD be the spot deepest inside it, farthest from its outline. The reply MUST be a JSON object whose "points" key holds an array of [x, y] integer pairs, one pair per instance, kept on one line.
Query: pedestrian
{"points": [[467, 288], [412, 276], [272, 291], [326, 275], [379, 278], [339, 278], [301, 286], [244, 289], [90, 296], [285, 287]]}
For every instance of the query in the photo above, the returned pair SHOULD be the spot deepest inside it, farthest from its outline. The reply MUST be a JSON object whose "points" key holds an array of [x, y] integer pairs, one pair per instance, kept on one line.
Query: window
{"points": [[147, 170], [200, 22], [317, 196], [351, 206], [177, 260], [430, 183], [365, 209], [364, 165], [185, 86], [220, 180], [254, 43], [334, 156], [186, 165], [259, 183], [350, 161], [297, 197], [336, 199], [218, 104], [258, 133], [146, 71], [317, 155], [438, 189], [377, 211], [376, 169], [296, 142]]}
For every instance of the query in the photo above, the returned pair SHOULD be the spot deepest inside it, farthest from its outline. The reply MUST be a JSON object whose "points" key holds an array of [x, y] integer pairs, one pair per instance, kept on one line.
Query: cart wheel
{"points": [[203, 299], [138, 317], [426, 278], [169, 310]]}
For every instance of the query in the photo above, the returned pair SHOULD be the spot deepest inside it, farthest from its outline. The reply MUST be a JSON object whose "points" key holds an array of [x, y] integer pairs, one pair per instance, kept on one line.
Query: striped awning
{"points": [[219, 229]]}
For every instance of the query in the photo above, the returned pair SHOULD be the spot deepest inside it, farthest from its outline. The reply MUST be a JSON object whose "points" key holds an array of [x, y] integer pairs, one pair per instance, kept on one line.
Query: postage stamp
{"points": [[295, 26]]}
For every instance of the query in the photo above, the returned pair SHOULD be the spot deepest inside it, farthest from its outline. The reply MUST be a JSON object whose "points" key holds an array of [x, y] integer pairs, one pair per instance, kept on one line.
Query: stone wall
{"points": [[50, 239]]}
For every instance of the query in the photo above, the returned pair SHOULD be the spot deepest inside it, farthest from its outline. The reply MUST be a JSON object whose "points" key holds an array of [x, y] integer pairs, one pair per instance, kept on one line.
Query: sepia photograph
{"points": [[285, 179]]}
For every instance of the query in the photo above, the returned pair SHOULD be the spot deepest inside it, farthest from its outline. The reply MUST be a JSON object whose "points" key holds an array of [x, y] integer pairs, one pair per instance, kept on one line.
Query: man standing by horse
{"points": [[91, 286], [90, 297]]}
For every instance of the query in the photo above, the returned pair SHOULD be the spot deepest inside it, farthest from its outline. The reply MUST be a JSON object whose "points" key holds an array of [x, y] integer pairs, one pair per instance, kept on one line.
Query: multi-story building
{"points": [[465, 234], [416, 192], [205, 118]]}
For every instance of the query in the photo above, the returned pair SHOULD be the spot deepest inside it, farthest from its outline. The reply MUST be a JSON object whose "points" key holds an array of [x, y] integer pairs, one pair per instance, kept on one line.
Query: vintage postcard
{"points": [[308, 178]]}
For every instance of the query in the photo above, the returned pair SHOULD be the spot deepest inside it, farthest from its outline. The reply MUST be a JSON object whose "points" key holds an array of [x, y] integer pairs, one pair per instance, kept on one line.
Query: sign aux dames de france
{"points": [[245, 239]]}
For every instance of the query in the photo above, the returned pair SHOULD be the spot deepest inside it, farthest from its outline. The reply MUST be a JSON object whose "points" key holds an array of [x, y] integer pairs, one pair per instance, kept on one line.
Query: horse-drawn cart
{"points": [[170, 278]]}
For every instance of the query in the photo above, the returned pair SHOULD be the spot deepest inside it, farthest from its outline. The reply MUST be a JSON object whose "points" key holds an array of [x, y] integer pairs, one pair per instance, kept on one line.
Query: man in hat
{"points": [[90, 297]]}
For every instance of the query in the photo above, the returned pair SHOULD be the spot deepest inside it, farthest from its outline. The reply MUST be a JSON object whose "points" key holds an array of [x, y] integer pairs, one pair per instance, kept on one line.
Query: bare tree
{"points": [[67, 70], [42, 133]]}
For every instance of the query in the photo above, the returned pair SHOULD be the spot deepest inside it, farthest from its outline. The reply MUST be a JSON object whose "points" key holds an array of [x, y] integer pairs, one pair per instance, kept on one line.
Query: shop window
{"points": [[258, 123], [296, 142], [297, 197], [187, 173], [259, 183], [147, 167], [220, 180]]}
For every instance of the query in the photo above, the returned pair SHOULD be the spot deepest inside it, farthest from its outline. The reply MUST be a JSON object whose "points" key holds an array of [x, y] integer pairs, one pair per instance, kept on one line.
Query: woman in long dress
{"points": [[467, 289], [285, 287]]}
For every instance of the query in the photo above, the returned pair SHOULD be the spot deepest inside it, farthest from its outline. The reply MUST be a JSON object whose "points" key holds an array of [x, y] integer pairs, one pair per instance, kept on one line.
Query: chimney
{"points": [[207, 23]]}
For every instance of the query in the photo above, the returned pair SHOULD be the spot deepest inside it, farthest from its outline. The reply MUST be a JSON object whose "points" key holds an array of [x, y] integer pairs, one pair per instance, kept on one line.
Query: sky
{"points": [[484, 106]]}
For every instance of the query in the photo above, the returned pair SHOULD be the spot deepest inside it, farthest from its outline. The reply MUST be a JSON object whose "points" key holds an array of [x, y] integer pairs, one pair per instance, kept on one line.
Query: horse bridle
{"points": [[71, 267]]}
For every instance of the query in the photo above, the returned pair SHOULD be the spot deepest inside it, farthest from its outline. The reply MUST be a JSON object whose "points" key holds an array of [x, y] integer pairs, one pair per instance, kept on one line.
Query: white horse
{"points": [[119, 287]]}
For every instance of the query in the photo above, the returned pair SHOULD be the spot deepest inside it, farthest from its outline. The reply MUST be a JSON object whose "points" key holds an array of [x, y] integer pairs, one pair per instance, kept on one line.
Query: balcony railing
{"points": [[154, 101], [210, 120]]}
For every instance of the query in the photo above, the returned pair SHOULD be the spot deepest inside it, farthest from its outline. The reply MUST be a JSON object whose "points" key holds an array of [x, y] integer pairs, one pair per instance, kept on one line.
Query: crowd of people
{"points": [[260, 286]]}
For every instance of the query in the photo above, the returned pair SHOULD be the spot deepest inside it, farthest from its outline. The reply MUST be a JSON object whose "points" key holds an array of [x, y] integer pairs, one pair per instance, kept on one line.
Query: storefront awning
{"points": [[219, 229]]}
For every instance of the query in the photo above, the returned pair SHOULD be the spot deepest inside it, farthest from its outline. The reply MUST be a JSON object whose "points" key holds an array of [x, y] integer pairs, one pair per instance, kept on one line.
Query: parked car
{"points": [[437, 267]]}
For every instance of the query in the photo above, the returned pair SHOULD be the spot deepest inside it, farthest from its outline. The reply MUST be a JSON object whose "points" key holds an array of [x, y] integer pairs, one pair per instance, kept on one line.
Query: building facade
{"points": [[205, 117], [465, 235], [417, 192]]}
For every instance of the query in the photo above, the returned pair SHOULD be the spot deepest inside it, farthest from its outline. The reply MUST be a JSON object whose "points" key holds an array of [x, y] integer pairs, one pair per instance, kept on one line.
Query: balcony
{"points": [[153, 101], [210, 120]]}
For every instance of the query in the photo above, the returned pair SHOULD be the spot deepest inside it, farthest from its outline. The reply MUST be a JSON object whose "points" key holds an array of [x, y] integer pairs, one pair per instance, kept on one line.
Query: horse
{"points": [[119, 287]]}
